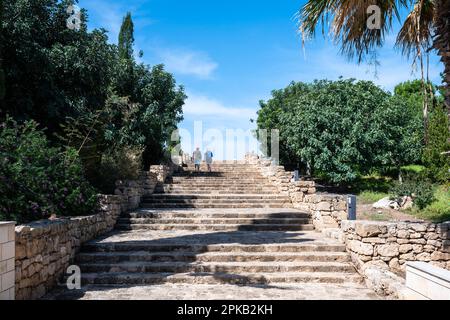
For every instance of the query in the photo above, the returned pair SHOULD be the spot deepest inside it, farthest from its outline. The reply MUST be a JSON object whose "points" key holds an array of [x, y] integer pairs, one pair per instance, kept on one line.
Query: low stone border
{"points": [[395, 243]]}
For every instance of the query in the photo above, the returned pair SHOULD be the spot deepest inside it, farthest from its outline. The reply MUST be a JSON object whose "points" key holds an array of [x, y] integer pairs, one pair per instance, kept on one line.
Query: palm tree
{"points": [[426, 27]]}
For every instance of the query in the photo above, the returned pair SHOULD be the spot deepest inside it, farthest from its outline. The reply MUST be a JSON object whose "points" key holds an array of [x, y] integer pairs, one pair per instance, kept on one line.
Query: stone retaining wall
{"points": [[299, 191], [395, 243], [327, 210], [44, 249]]}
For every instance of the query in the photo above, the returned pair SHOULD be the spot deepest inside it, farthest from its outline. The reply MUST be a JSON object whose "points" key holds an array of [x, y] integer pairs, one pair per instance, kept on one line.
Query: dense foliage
{"points": [[80, 107], [434, 157], [340, 129], [436, 136], [87, 93], [420, 189], [36, 179]]}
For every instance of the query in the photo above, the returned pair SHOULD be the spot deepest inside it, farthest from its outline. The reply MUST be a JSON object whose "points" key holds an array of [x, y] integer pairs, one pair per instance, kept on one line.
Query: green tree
{"points": [[126, 38], [341, 129], [437, 162], [269, 118]]}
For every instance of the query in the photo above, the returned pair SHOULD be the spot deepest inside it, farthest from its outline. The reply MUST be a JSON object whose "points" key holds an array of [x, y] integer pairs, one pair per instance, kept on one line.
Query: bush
{"points": [[37, 180], [343, 129], [420, 189], [120, 164]]}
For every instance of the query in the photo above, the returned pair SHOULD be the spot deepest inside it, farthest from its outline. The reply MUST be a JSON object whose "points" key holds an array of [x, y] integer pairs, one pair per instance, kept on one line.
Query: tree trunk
{"points": [[442, 44]]}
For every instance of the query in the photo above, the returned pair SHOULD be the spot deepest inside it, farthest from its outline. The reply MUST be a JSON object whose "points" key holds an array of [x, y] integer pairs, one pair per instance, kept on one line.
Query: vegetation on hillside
{"points": [[85, 98]]}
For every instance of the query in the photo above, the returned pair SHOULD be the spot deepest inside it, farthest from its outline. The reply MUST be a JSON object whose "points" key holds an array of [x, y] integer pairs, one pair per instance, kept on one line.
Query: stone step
{"points": [[233, 197], [212, 191], [215, 214], [207, 278], [215, 201], [215, 205], [224, 267], [233, 184], [115, 257], [216, 191], [216, 227], [179, 247], [207, 187], [241, 179], [207, 221]]}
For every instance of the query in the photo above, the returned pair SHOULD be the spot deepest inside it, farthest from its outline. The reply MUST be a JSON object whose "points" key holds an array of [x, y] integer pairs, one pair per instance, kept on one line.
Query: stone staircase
{"points": [[228, 227]]}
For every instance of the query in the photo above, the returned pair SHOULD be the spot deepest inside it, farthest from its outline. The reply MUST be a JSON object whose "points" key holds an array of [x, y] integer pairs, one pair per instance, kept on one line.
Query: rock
{"points": [[419, 227], [406, 202], [361, 248], [369, 229], [388, 250], [404, 248], [394, 264], [386, 203], [403, 234], [424, 256], [436, 255]]}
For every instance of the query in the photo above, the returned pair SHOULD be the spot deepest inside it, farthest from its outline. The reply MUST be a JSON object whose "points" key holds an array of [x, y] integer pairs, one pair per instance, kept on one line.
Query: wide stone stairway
{"points": [[228, 234]]}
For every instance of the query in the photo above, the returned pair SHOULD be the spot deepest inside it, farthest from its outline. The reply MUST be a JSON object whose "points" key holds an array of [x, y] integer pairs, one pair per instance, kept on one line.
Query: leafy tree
{"points": [[71, 81], [52, 72], [269, 118], [126, 38], [345, 128], [434, 157]]}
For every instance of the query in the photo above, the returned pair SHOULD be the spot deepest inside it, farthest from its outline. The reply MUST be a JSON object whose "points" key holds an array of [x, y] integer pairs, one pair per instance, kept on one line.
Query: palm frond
{"points": [[348, 20], [417, 31]]}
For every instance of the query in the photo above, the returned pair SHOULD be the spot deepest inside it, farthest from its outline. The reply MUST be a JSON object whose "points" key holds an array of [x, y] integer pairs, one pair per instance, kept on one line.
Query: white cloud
{"points": [[199, 105], [188, 62]]}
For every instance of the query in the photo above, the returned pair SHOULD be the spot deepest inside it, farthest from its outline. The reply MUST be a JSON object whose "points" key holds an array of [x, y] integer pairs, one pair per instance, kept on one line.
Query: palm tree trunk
{"points": [[442, 44]]}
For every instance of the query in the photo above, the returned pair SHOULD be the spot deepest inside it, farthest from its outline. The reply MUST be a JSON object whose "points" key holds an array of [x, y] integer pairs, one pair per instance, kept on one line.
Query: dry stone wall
{"points": [[299, 191], [393, 244], [45, 249]]}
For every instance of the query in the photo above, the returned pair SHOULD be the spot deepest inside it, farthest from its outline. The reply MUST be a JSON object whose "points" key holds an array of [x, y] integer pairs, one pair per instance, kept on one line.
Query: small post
{"points": [[351, 207], [296, 175]]}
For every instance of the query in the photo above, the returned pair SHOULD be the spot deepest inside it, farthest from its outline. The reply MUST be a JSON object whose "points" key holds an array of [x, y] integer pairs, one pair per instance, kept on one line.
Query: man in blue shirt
{"points": [[209, 158]]}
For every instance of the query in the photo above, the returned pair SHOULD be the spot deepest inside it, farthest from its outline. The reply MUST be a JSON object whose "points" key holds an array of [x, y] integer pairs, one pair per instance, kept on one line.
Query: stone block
{"points": [[323, 206], [404, 248], [369, 229], [8, 280], [8, 250], [361, 248], [374, 240], [388, 250]]}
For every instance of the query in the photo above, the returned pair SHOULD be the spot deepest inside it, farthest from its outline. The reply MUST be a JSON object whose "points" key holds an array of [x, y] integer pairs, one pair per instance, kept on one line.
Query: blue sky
{"points": [[230, 54]]}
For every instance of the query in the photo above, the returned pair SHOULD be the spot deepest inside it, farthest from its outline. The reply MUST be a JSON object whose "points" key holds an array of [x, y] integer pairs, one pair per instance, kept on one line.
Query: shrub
{"points": [[37, 180], [420, 189], [120, 164]]}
